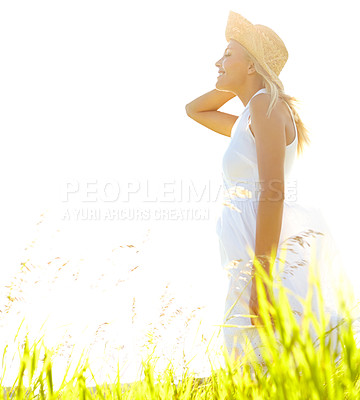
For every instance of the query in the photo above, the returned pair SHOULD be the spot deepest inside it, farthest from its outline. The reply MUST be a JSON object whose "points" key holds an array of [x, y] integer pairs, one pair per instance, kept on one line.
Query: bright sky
{"points": [[93, 99]]}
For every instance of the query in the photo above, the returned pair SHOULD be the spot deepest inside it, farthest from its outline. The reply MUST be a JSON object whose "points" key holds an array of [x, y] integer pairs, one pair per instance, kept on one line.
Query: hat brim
{"points": [[237, 23]]}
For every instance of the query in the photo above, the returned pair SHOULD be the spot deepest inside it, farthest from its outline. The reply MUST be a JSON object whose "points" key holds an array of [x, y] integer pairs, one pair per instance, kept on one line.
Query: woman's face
{"points": [[233, 67]]}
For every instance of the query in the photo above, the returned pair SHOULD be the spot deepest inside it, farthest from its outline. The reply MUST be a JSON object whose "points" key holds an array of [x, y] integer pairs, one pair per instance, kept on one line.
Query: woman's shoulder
{"points": [[260, 103]]}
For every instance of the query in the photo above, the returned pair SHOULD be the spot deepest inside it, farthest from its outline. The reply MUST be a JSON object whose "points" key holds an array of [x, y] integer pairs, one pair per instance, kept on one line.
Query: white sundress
{"points": [[303, 230]]}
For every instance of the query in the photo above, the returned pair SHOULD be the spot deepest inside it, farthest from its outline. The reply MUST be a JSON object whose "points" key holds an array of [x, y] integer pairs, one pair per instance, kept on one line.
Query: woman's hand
{"points": [[254, 305]]}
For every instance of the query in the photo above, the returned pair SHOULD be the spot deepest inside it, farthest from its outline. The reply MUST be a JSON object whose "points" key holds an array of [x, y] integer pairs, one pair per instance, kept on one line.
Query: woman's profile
{"points": [[257, 219]]}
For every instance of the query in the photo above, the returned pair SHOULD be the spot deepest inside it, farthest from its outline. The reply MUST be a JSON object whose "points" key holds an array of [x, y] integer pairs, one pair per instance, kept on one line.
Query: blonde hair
{"points": [[276, 91]]}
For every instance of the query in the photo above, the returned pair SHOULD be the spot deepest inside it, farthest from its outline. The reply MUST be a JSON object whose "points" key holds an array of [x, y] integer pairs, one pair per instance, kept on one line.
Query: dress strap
{"points": [[263, 90]]}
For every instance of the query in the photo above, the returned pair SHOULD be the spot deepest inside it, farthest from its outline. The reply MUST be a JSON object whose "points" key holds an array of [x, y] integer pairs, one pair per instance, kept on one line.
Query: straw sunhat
{"points": [[260, 41]]}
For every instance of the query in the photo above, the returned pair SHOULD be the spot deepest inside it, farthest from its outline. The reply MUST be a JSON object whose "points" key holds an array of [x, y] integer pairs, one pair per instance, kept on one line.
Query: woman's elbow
{"points": [[274, 192]]}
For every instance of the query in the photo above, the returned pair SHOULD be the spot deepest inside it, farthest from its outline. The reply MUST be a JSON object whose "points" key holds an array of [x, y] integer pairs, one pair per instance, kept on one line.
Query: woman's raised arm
{"points": [[204, 111]]}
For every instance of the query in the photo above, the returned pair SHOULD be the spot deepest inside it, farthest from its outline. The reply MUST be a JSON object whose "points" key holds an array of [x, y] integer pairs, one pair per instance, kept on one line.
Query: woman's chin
{"points": [[218, 86]]}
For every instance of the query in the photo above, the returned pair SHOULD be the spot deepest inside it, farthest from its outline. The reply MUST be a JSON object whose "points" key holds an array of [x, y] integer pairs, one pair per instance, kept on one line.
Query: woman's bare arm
{"points": [[270, 141], [204, 111]]}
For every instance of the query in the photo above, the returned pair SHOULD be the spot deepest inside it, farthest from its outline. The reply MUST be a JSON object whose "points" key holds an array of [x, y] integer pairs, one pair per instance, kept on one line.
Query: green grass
{"points": [[294, 366]]}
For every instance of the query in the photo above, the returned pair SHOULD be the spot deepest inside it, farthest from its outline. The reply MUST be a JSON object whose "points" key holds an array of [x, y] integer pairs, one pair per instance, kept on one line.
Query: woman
{"points": [[257, 222]]}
